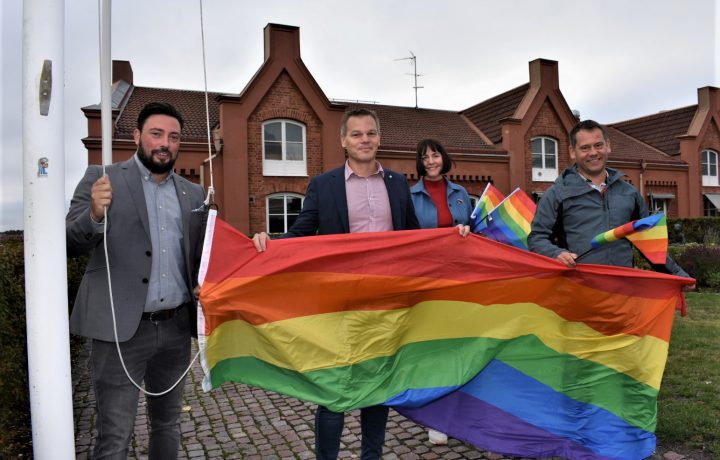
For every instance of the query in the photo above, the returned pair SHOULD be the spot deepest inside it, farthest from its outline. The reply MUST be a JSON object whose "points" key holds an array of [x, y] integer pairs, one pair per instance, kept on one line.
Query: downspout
{"points": [[643, 167]]}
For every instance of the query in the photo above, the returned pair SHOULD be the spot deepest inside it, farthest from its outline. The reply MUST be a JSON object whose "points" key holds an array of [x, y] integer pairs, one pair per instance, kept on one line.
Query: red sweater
{"points": [[438, 192]]}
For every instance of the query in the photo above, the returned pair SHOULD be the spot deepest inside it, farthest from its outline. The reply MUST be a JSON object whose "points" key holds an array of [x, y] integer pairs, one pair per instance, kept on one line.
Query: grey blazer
{"points": [[129, 248]]}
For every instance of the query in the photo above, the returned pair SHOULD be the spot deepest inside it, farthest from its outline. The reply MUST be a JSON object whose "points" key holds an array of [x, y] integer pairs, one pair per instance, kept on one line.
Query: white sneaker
{"points": [[436, 437]]}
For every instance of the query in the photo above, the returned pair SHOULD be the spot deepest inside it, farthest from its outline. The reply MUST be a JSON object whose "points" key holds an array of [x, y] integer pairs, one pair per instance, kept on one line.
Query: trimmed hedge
{"points": [[701, 230]]}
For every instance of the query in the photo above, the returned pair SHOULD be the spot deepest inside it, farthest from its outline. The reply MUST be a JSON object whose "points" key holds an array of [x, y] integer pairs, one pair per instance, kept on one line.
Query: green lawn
{"points": [[689, 401]]}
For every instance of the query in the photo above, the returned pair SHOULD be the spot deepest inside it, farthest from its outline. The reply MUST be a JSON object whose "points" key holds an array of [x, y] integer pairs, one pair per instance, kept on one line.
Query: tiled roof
{"points": [[487, 114], [191, 105], [626, 148], [660, 130], [402, 127]]}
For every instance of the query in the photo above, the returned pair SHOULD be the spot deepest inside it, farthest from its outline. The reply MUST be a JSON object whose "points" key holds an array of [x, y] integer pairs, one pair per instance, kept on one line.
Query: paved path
{"points": [[240, 422]]}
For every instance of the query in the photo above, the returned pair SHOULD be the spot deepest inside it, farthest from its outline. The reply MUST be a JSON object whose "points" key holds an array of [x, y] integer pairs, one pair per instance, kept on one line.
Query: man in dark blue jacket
{"points": [[360, 196], [588, 199]]}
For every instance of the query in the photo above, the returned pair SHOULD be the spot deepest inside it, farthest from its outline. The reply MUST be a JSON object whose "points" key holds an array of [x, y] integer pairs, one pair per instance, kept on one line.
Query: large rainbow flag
{"points": [[500, 347], [510, 221], [490, 198], [648, 234]]}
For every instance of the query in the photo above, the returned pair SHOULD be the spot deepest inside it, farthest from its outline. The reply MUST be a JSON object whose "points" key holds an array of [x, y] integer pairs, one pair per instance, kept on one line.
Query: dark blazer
{"points": [[129, 248], [325, 209]]}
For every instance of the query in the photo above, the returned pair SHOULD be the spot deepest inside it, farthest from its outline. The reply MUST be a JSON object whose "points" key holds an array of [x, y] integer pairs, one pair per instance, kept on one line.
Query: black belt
{"points": [[162, 315]]}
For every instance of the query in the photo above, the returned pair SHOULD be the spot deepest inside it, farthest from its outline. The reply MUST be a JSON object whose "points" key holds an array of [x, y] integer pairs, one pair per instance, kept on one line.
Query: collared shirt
{"points": [[368, 202], [167, 287], [599, 187]]}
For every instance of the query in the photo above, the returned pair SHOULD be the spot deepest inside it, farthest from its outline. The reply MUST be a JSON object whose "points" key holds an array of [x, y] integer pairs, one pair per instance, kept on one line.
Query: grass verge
{"points": [[689, 400]]}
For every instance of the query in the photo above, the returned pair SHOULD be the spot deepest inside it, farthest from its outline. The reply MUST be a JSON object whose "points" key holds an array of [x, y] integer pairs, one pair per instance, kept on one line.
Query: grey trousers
{"points": [[157, 354]]}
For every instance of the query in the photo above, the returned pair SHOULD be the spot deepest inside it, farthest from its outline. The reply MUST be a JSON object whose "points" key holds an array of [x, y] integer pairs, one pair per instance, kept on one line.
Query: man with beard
{"points": [[155, 224]]}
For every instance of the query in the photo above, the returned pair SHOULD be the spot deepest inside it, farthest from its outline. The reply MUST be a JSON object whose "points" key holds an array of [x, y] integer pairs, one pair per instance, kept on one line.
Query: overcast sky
{"points": [[618, 59]]}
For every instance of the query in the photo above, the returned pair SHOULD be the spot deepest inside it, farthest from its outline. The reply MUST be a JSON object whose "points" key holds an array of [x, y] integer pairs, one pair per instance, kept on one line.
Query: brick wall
{"points": [[711, 141], [283, 100], [662, 187], [546, 124]]}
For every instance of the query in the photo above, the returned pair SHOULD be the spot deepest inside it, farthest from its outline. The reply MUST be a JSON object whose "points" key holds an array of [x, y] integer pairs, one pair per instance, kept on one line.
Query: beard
{"points": [[155, 168]]}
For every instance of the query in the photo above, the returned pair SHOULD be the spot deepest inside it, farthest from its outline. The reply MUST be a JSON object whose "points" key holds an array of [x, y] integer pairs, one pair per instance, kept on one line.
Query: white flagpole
{"points": [[105, 82], [44, 230]]}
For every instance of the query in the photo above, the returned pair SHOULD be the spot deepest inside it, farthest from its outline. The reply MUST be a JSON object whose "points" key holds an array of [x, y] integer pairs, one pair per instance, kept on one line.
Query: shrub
{"points": [[75, 272], [15, 424], [702, 230], [713, 281], [642, 263], [15, 433], [702, 263]]}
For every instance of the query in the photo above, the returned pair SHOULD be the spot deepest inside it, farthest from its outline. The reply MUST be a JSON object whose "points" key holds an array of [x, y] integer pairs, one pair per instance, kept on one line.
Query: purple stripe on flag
{"points": [[494, 429]]}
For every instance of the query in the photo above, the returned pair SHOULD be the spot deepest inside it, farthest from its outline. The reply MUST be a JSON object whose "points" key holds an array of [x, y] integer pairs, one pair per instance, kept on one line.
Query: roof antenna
{"points": [[413, 58]]}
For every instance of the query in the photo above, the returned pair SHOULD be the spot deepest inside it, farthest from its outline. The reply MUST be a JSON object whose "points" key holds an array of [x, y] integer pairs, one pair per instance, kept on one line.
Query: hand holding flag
{"points": [[490, 198], [649, 235], [509, 222]]}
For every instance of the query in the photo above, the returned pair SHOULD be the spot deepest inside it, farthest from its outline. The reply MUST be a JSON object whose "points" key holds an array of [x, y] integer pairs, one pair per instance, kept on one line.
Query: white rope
{"points": [[117, 342], [211, 188], [208, 202]]}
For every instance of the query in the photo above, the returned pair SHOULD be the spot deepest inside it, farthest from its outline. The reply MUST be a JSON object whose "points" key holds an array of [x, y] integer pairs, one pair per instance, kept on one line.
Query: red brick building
{"points": [[268, 140]]}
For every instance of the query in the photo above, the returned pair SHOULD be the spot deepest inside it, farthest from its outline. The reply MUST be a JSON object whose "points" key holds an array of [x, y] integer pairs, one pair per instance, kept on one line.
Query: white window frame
{"points": [[710, 179], [283, 195], [544, 174], [709, 209], [660, 202], [661, 205], [285, 167]]}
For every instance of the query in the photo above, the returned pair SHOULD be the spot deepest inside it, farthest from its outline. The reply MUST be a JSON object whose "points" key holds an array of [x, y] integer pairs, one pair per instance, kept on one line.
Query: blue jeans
{"points": [[157, 354], [329, 427]]}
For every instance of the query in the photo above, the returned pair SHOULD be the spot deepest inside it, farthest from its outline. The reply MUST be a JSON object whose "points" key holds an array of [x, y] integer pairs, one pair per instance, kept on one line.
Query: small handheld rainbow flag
{"points": [[509, 222], [490, 198], [648, 234]]}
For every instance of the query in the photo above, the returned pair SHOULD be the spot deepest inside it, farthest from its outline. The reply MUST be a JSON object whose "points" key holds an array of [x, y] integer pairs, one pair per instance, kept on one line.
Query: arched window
{"points": [[282, 210], [709, 162], [544, 159], [284, 148]]}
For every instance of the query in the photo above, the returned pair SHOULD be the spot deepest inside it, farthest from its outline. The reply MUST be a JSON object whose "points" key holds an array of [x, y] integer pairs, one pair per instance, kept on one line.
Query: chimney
{"points": [[708, 105], [282, 41], [709, 98], [544, 73], [122, 70]]}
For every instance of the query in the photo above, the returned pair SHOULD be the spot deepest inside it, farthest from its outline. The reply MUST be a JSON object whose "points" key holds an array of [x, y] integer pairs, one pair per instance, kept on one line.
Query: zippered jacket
{"points": [[426, 211], [571, 213]]}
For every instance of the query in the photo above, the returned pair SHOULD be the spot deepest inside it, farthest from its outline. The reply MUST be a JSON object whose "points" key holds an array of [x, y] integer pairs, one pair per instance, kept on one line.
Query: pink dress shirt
{"points": [[367, 201]]}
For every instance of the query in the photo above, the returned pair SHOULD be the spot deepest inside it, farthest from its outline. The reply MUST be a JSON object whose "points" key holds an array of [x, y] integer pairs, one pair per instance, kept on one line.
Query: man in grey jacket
{"points": [[588, 199], [155, 225]]}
